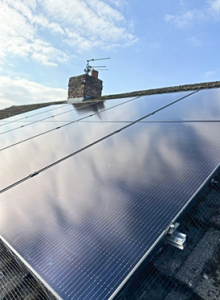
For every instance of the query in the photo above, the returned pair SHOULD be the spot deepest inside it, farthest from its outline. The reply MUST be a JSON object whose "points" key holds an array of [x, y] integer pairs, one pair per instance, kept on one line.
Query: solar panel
{"points": [[71, 112], [86, 108], [201, 106], [43, 123], [14, 138], [85, 223], [25, 158], [27, 121], [8, 139], [31, 113], [113, 109], [130, 110]]}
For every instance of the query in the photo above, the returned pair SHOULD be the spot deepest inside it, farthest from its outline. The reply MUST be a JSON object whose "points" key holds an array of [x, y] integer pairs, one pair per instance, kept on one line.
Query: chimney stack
{"points": [[84, 87]]}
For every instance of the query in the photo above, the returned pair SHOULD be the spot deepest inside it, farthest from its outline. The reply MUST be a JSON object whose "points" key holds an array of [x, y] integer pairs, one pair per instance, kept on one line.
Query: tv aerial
{"points": [[89, 68]]}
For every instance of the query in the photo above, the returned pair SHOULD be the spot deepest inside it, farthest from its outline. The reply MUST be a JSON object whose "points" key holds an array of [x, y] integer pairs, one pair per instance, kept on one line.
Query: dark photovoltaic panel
{"points": [[130, 110], [70, 112], [33, 115], [30, 113], [47, 116], [85, 223], [85, 109], [26, 132], [24, 159], [202, 106], [70, 137], [46, 121]]}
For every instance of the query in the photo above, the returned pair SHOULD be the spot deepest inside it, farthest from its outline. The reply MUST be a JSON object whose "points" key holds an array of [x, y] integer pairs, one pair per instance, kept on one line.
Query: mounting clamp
{"points": [[176, 238]]}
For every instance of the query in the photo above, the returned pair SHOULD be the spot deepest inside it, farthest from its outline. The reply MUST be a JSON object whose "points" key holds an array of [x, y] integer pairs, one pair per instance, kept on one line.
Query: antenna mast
{"points": [[88, 68]]}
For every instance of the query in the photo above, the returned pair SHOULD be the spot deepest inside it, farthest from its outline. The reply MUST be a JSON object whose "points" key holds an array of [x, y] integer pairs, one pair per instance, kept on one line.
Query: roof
{"points": [[14, 110], [165, 161]]}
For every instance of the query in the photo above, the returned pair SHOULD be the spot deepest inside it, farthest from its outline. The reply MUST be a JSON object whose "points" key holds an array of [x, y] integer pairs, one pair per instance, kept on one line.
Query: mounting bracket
{"points": [[176, 238]]}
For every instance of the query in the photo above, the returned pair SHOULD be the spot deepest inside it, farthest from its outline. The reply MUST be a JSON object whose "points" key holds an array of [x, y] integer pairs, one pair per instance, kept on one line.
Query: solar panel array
{"points": [[87, 190]]}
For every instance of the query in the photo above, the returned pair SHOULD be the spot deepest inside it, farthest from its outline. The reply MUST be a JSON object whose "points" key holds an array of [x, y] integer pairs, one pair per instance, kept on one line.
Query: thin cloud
{"points": [[118, 3], [215, 6], [210, 73], [183, 2], [194, 41], [155, 45], [210, 9], [19, 91], [186, 18]]}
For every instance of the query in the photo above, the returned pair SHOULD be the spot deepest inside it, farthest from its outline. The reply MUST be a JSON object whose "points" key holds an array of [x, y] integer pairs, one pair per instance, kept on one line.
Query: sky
{"points": [[152, 44]]}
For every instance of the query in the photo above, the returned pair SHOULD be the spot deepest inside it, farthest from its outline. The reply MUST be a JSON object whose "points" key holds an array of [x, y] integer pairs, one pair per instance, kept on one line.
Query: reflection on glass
{"points": [[91, 107], [33, 117], [25, 158], [201, 106], [136, 108], [86, 222]]}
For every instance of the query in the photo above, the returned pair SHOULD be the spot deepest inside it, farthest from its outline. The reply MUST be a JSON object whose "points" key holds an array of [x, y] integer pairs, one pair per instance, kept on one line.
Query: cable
{"points": [[90, 145]]}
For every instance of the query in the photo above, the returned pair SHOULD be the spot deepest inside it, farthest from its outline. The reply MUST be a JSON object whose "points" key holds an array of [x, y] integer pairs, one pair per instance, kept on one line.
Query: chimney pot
{"points": [[95, 73]]}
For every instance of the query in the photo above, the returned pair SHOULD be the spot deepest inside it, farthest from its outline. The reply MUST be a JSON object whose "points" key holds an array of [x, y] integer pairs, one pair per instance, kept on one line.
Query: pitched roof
{"points": [[200, 169], [14, 110]]}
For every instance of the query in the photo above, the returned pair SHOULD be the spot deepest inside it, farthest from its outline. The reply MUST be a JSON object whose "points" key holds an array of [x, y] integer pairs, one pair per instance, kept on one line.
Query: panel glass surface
{"points": [[34, 116], [63, 113], [85, 223], [25, 158], [133, 110], [87, 109], [201, 106], [31, 113], [9, 139]]}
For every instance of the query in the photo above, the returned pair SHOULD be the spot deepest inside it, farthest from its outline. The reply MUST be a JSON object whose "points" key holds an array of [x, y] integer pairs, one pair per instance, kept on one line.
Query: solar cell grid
{"points": [[22, 134], [39, 118], [42, 142], [94, 236], [130, 110], [32, 113], [85, 223], [85, 108], [103, 211], [202, 106], [75, 113], [26, 158]]}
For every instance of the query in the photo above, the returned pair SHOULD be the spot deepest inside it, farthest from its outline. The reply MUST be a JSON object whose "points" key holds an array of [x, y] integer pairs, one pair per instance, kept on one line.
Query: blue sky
{"points": [[151, 44]]}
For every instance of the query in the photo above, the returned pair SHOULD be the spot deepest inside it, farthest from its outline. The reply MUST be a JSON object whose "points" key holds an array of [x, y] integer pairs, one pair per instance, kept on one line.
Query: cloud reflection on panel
{"points": [[50, 147], [94, 205], [201, 106], [145, 149], [28, 157]]}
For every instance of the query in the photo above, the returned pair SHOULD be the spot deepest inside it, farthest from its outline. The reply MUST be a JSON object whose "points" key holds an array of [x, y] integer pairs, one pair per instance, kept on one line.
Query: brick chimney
{"points": [[84, 87]]}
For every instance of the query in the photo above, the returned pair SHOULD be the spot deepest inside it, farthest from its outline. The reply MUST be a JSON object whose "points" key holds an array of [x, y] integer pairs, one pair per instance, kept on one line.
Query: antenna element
{"points": [[89, 68]]}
